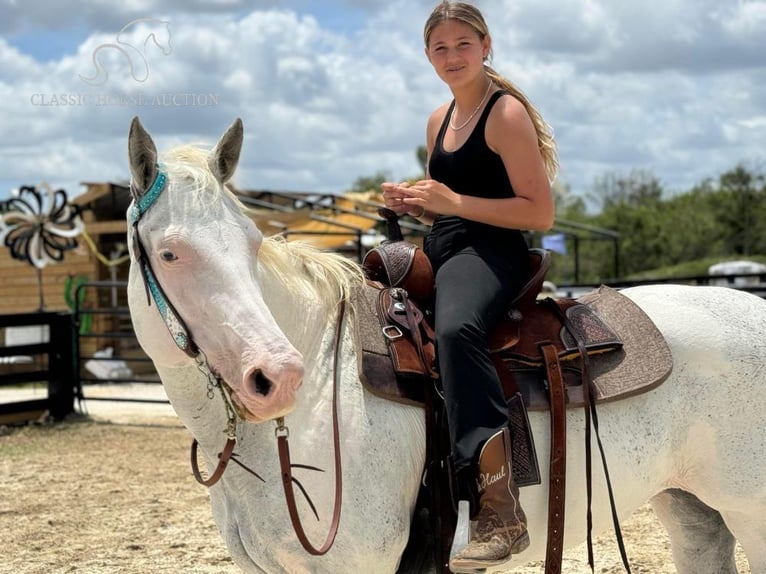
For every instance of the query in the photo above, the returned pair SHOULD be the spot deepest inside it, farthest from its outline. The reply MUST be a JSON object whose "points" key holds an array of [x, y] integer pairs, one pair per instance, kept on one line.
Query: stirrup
{"points": [[462, 537]]}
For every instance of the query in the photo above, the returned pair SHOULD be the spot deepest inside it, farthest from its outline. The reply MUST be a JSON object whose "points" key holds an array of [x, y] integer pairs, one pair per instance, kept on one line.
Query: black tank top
{"points": [[474, 169]]}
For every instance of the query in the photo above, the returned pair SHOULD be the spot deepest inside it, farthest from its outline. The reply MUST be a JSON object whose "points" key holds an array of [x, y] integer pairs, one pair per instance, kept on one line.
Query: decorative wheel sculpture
{"points": [[38, 227]]}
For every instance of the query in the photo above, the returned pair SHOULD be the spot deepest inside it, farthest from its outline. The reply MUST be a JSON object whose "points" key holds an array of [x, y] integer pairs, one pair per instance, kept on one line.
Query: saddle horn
{"points": [[393, 231]]}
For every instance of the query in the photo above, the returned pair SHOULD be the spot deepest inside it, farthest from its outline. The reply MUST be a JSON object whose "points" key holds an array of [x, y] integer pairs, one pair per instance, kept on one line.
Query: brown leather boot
{"points": [[501, 525]]}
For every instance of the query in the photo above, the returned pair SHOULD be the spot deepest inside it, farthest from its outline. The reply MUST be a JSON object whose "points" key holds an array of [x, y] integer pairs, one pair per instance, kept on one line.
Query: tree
{"points": [[741, 205], [631, 205], [422, 155], [640, 187], [691, 229], [369, 183]]}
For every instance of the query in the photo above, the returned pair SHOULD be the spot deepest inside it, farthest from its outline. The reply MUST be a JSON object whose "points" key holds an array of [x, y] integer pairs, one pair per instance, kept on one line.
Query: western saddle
{"points": [[549, 354]]}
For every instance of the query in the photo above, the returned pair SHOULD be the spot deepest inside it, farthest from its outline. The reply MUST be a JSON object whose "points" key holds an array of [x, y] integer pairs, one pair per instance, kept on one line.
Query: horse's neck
{"points": [[310, 325]]}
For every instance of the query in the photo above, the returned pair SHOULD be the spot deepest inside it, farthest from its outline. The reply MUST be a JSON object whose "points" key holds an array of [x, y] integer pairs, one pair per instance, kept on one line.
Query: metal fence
{"points": [[754, 283], [107, 351]]}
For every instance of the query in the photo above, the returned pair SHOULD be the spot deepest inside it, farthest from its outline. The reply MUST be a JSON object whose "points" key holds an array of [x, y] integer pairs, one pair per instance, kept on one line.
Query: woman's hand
{"points": [[397, 198], [433, 196]]}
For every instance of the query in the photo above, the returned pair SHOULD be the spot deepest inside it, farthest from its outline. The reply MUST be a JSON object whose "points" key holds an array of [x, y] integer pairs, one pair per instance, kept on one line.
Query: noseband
{"points": [[185, 342]]}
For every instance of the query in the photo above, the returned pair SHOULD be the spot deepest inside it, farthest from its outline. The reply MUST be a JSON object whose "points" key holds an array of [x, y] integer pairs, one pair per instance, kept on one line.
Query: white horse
{"points": [[263, 314]]}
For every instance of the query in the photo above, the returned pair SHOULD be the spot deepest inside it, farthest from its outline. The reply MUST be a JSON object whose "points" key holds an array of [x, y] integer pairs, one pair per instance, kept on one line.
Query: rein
{"points": [[184, 341], [282, 433]]}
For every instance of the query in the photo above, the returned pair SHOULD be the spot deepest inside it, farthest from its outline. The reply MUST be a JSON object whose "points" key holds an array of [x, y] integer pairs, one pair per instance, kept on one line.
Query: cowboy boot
{"points": [[501, 525]]}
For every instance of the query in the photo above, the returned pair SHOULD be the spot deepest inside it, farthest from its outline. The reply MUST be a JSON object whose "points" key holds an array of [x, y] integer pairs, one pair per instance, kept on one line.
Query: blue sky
{"points": [[330, 91], [49, 41], [47, 45]]}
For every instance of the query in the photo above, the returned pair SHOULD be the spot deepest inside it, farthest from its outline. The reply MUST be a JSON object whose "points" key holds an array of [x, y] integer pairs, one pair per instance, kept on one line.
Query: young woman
{"points": [[491, 158]]}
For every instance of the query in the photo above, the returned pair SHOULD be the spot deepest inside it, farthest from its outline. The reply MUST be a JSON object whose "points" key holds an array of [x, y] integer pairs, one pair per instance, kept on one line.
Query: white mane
{"points": [[306, 271]]}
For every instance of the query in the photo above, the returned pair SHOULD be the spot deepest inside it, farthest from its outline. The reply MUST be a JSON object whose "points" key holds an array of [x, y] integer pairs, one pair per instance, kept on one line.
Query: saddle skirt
{"points": [[627, 353]]}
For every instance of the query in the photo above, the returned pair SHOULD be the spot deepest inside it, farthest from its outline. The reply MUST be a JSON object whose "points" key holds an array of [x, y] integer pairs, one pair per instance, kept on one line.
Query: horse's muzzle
{"points": [[267, 395]]}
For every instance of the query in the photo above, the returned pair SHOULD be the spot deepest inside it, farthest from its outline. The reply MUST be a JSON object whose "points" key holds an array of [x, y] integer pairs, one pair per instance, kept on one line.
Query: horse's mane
{"points": [[307, 271], [304, 270]]}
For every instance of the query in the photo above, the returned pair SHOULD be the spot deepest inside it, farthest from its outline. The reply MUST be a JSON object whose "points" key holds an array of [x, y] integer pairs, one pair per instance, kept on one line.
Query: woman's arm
{"points": [[511, 134]]}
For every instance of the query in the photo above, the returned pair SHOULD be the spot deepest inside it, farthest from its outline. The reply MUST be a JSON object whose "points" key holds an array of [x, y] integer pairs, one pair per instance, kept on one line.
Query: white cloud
{"points": [[675, 86]]}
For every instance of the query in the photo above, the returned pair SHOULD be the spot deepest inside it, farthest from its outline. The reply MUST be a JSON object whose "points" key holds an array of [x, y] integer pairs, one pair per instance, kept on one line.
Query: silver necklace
{"points": [[452, 116]]}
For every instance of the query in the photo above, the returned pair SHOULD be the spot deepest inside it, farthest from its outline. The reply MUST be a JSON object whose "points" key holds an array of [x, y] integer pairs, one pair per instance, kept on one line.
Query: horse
{"points": [[255, 336]]}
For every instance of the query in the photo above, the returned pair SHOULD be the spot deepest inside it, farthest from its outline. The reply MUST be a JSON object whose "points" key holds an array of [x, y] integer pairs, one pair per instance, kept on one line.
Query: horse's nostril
{"points": [[262, 384]]}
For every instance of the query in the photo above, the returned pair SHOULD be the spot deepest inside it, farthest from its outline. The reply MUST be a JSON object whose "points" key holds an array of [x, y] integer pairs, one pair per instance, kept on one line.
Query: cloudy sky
{"points": [[332, 90]]}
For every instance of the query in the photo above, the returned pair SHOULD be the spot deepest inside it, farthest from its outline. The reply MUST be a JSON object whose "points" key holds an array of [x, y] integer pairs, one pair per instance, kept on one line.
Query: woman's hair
{"points": [[470, 15]]}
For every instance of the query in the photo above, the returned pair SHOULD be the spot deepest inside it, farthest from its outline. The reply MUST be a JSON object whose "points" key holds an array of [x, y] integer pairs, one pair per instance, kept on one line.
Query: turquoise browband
{"points": [[172, 320], [147, 199]]}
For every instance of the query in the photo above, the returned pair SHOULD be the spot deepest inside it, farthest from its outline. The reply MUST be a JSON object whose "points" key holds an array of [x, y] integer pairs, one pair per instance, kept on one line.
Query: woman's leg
{"points": [[472, 295]]}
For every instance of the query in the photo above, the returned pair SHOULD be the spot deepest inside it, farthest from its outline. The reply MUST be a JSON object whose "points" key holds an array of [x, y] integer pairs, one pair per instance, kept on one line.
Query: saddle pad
{"points": [[641, 364]]}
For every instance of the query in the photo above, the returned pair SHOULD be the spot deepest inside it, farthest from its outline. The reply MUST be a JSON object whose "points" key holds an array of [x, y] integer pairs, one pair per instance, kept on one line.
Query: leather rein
{"points": [[282, 432], [185, 342]]}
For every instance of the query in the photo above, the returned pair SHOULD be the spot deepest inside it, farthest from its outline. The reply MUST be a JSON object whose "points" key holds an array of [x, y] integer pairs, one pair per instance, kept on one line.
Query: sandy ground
{"points": [[113, 493]]}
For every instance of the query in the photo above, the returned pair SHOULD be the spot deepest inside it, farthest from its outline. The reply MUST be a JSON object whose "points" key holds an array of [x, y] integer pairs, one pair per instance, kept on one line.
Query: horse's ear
{"points": [[224, 157], [143, 157]]}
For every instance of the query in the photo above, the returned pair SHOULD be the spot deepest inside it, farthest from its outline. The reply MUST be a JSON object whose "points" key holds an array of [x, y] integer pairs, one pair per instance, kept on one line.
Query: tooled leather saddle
{"points": [[550, 354]]}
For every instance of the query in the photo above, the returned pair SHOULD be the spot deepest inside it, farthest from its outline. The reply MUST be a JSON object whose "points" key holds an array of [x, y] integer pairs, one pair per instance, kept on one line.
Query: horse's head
{"points": [[193, 254]]}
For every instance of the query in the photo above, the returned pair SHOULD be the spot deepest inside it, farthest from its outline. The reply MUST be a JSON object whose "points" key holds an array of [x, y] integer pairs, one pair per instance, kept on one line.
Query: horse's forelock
{"points": [[190, 163]]}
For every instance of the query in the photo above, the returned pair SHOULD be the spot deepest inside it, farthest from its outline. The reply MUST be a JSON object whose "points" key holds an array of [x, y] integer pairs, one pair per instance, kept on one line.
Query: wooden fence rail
{"points": [[52, 362]]}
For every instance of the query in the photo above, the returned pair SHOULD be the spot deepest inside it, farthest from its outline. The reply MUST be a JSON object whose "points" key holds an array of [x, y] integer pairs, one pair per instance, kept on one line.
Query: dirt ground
{"points": [[113, 493]]}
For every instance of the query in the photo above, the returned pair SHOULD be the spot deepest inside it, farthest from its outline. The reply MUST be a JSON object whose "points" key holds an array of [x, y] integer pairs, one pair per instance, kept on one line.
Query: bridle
{"points": [[184, 340]]}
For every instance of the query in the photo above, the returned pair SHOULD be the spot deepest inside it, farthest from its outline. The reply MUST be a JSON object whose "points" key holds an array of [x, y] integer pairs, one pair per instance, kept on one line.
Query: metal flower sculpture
{"points": [[38, 227]]}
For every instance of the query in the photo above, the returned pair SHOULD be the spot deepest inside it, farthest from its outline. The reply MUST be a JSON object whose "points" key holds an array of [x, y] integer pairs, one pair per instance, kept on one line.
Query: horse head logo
{"points": [[158, 32]]}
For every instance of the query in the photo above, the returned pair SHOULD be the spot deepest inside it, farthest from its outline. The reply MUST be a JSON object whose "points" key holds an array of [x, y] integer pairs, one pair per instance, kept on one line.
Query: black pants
{"points": [[474, 287]]}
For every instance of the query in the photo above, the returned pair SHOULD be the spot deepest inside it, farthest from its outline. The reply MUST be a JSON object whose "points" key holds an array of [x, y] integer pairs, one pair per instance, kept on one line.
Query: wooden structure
{"points": [[346, 224], [103, 211], [103, 207], [51, 361]]}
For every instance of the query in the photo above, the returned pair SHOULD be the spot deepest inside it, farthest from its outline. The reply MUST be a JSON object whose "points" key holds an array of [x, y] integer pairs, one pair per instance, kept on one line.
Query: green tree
{"points": [[741, 206], [632, 206], [691, 229], [639, 187], [369, 183], [422, 155]]}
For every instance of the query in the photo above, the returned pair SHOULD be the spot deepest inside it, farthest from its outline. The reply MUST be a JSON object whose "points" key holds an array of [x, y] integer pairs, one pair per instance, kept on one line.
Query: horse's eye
{"points": [[168, 256]]}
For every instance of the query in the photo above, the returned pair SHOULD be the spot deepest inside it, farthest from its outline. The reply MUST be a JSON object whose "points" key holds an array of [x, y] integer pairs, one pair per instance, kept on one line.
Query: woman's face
{"points": [[456, 52]]}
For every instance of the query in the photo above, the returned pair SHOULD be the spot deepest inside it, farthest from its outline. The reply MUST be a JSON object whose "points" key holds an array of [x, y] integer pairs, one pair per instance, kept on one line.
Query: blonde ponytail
{"points": [[546, 143]]}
